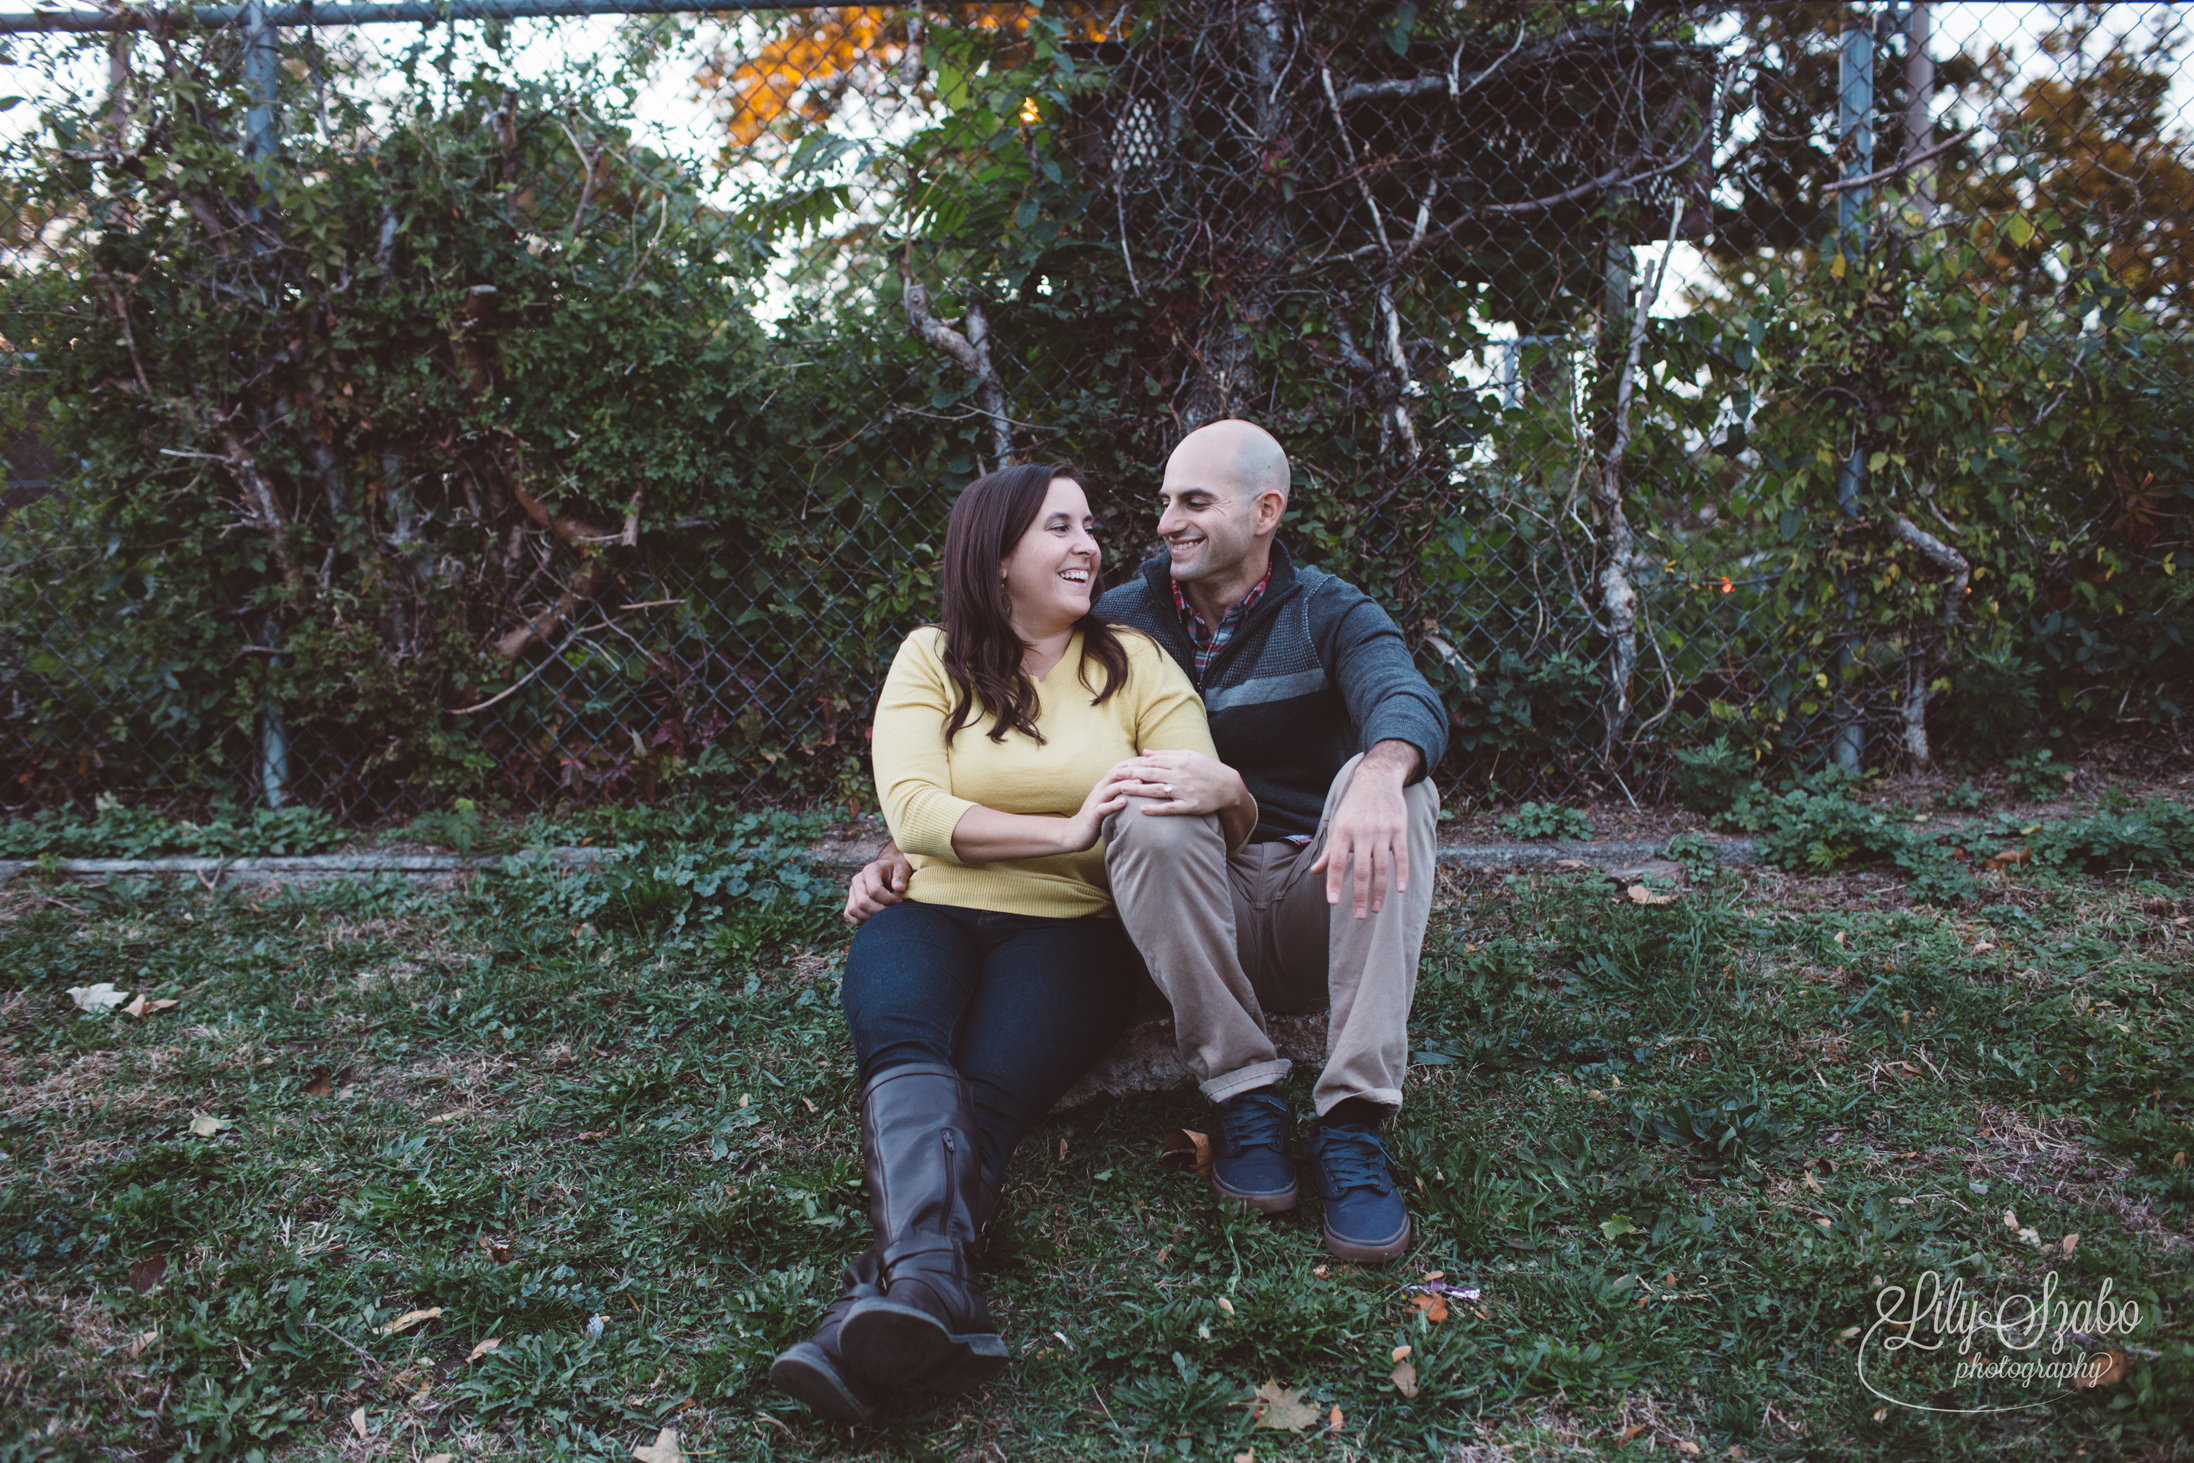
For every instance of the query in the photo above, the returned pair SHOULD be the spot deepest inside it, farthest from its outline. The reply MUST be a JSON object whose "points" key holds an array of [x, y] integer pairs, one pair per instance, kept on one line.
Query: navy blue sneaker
{"points": [[1364, 1217], [1250, 1163]]}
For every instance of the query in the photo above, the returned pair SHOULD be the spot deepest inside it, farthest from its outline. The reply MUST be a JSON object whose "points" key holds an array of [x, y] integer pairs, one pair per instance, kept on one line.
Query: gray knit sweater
{"points": [[1316, 674]]}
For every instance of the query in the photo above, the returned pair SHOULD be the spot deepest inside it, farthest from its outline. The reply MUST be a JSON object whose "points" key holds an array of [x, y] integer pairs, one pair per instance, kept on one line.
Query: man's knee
{"points": [[1160, 835]]}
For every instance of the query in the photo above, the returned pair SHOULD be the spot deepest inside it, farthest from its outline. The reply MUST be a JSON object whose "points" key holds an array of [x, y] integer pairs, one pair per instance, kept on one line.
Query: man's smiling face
{"points": [[1208, 523]]}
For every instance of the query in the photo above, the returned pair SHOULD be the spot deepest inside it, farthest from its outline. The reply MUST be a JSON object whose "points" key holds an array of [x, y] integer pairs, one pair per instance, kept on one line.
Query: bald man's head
{"points": [[1240, 455], [1226, 486]]}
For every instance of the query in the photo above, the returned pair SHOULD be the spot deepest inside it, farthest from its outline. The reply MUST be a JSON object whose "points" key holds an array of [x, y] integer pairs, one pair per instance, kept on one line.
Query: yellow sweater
{"points": [[927, 786]]}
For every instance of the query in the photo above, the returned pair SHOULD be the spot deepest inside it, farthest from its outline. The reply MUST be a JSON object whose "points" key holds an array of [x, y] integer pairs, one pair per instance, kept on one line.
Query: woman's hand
{"points": [[1192, 783], [1087, 825]]}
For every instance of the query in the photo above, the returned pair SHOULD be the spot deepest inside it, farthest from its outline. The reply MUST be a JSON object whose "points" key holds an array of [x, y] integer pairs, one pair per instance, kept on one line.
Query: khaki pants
{"points": [[1229, 938]]}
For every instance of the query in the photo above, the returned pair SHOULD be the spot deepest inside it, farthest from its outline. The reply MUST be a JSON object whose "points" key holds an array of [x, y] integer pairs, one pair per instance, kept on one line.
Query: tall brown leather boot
{"points": [[813, 1371], [927, 1193]]}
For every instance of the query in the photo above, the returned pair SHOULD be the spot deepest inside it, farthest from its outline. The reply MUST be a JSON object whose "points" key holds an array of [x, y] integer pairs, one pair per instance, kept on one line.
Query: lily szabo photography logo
{"points": [[1936, 1346]]}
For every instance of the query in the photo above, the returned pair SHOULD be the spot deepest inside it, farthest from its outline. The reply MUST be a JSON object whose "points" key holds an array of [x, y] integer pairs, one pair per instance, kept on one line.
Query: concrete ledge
{"points": [[300, 868], [842, 858]]}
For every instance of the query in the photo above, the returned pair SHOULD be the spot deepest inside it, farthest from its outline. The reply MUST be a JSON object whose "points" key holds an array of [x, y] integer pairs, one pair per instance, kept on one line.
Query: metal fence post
{"points": [[1855, 128], [262, 140]]}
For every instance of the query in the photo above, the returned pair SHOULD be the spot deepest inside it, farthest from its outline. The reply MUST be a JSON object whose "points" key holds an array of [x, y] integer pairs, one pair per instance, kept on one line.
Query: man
{"points": [[1315, 703]]}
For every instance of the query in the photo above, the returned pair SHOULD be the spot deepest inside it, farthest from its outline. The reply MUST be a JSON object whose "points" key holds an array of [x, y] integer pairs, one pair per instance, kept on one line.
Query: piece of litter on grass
{"points": [[358, 1423], [143, 1007], [410, 1319], [483, 1348], [100, 997], [206, 1127], [664, 1449], [595, 1324], [810, 1103]]}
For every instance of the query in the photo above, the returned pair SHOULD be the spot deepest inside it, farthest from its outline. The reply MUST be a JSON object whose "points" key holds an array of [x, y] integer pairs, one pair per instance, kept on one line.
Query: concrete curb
{"points": [[840, 858], [302, 867]]}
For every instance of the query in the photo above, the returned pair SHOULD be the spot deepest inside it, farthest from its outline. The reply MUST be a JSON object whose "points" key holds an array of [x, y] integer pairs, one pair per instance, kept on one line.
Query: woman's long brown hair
{"points": [[982, 651]]}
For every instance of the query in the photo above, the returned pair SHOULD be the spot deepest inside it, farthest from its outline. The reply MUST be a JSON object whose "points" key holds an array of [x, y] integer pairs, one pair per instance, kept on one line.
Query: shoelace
{"points": [[1354, 1159], [1252, 1125]]}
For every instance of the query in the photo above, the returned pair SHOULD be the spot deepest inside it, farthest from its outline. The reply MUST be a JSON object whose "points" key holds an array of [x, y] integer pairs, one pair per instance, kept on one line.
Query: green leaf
{"points": [[1618, 1226]]}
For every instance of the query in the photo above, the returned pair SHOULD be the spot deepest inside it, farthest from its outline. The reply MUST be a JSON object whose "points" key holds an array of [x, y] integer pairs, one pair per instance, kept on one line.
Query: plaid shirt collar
{"points": [[1202, 638]]}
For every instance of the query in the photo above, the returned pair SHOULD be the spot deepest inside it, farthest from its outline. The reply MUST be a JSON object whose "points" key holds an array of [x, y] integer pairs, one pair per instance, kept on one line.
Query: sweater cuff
{"points": [[927, 826], [1430, 742]]}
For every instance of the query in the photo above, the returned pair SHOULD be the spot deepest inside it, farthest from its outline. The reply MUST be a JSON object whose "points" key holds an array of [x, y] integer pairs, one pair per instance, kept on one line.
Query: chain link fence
{"points": [[411, 402]]}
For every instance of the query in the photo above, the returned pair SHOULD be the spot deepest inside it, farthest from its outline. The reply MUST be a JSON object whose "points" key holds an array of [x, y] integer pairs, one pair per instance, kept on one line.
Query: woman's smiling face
{"points": [[1053, 568]]}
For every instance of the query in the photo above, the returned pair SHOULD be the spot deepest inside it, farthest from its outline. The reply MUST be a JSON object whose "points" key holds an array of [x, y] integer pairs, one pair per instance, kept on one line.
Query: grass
{"points": [[1677, 1149]]}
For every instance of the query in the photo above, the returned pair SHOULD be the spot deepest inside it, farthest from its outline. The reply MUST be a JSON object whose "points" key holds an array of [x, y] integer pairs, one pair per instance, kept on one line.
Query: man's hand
{"points": [[882, 882], [1368, 840]]}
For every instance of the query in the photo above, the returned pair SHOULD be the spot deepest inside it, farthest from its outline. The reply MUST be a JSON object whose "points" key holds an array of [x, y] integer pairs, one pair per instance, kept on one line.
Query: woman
{"points": [[979, 1000]]}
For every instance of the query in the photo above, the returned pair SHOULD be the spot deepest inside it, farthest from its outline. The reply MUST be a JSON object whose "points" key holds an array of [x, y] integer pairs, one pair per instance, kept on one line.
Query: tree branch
{"points": [[970, 352]]}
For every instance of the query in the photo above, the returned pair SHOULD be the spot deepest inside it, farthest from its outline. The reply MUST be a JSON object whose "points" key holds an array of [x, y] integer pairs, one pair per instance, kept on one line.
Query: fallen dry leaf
{"points": [[1640, 894], [146, 1273], [358, 1423], [1571, 863], [322, 1083], [1226, 1305], [1433, 1306], [139, 1343], [439, 1458], [1404, 1377], [410, 1319], [206, 1127], [100, 997], [2102, 1369], [1685, 1445], [1811, 1182], [664, 1449], [1333, 1423], [1187, 1149], [497, 1250], [1983, 948], [1248, 1457], [2071, 1242], [1275, 1407], [483, 1348], [143, 1007], [1401, 1353], [1630, 1432]]}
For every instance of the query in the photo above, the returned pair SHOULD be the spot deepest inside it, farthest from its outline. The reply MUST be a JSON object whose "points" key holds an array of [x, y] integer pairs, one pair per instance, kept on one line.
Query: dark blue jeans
{"points": [[1022, 1006]]}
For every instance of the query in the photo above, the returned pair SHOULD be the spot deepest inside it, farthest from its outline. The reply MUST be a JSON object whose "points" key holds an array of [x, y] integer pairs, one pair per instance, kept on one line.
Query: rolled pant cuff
{"points": [[1246, 1079], [1387, 1097]]}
